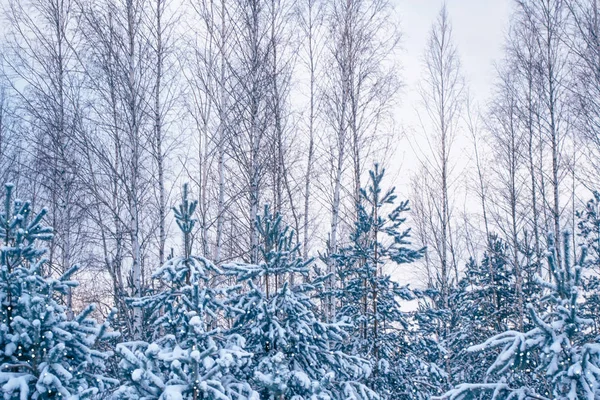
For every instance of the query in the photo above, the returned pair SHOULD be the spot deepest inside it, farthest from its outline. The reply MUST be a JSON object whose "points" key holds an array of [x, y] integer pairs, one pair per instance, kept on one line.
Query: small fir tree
{"points": [[295, 356], [589, 234], [370, 299], [481, 304], [588, 227], [43, 353], [188, 356]]}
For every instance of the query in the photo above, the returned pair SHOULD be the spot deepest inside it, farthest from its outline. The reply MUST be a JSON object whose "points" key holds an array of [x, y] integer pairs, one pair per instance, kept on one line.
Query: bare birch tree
{"points": [[522, 56], [162, 39], [442, 92], [547, 21], [10, 140], [311, 23], [117, 63], [251, 72]]}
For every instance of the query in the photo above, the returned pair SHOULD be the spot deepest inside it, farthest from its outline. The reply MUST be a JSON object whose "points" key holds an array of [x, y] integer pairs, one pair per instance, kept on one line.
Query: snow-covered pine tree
{"points": [[482, 304], [559, 358], [370, 299], [588, 226], [43, 353], [188, 356], [589, 234], [295, 356]]}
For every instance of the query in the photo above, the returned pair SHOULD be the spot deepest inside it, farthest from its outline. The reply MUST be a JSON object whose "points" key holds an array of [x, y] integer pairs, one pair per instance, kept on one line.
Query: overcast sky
{"points": [[479, 27]]}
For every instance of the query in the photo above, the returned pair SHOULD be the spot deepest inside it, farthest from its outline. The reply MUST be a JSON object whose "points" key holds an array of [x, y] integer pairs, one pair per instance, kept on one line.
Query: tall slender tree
{"points": [[311, 21], [117, 65], [442, 92]]}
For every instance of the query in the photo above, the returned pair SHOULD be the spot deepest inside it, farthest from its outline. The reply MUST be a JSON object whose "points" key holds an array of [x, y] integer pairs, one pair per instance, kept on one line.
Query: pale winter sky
{"points": [[479, 27]]}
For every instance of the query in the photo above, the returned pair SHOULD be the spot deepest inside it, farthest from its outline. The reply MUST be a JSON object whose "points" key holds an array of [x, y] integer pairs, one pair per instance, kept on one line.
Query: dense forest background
{"points": [[279, 118]]}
